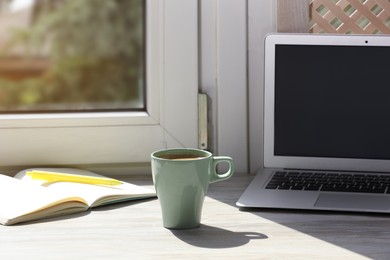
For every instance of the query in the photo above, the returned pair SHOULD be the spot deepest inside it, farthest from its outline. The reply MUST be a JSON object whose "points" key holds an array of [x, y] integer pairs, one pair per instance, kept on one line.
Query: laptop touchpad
{"points": [[355, 201]]}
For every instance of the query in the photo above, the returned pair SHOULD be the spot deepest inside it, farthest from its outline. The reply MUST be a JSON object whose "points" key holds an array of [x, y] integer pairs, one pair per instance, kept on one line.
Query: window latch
{"points": [[202, 121]]}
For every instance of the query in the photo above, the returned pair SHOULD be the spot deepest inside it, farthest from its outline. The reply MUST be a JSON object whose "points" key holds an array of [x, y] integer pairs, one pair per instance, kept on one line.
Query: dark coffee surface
{"points": [[180, 156]]}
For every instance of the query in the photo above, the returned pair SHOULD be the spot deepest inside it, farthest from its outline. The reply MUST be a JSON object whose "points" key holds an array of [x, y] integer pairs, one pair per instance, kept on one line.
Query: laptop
{"points": [[326, 124]]}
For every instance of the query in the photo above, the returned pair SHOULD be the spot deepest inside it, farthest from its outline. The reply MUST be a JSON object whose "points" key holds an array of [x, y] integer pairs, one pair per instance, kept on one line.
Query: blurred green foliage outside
{"points": [[91, 55]]}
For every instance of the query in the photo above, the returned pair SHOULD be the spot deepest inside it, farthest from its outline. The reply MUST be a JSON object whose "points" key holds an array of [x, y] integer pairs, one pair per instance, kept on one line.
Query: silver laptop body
{"points": [[326, 112]]}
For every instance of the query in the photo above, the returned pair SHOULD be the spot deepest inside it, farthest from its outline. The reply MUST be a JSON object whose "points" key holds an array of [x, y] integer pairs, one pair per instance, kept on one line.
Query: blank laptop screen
{"points": [[332, 101]]}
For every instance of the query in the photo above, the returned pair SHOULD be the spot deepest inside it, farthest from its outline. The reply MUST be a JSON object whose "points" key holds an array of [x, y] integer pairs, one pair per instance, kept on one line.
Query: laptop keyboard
{"points": [[337, 182]]}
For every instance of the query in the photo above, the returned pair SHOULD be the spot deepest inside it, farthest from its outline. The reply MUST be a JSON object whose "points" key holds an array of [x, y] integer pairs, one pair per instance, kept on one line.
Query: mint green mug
{"points": [[181, 178]]}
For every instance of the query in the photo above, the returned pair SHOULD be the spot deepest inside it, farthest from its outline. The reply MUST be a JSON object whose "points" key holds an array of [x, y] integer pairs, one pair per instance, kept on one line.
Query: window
{"points": [[71, 55], [122, 137]]}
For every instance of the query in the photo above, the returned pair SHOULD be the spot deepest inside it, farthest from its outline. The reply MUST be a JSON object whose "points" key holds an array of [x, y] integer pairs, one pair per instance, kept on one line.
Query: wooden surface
{"points": [[134, 231]]}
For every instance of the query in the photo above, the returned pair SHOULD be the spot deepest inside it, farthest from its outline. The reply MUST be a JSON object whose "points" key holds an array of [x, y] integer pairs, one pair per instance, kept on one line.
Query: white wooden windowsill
{"points": [[133, 230]]}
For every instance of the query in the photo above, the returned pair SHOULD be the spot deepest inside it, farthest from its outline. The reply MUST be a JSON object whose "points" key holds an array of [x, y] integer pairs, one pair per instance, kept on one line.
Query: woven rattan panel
{"points": [[350, 16]]}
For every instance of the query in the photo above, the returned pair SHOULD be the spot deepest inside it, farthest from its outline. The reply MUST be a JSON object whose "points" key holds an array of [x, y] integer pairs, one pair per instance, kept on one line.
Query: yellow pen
{"points": [[67, 177]]}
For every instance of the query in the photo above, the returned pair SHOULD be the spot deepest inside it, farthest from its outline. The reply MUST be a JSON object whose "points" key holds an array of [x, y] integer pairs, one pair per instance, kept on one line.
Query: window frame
{"points": [[231, 73], [223, 76], [262, 19], [122, 137]]}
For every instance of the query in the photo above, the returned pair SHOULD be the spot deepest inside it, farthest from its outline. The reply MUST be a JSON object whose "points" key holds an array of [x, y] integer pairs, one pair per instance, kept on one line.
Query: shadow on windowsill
{"points": [[213, 237]]}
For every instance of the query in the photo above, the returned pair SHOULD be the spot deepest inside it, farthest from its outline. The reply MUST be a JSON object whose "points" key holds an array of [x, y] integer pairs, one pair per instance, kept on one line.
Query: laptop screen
{"points": [[327, 102], [332, 101]]}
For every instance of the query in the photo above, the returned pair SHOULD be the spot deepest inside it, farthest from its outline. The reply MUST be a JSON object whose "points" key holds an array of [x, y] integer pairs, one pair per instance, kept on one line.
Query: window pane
{"points": [[72, 55]]}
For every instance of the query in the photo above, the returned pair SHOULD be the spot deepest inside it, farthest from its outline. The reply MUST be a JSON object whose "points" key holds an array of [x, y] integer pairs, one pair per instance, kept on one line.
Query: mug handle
{"points": [[220, 177]]}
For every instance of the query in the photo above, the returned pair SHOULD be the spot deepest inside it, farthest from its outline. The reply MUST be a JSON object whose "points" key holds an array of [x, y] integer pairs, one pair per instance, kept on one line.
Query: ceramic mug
{"points": [[181, 178]]}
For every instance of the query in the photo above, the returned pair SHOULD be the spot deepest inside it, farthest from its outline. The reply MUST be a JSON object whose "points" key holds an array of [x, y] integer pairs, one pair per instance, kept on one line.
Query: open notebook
{"points": [[326, 124], [25, 199]]}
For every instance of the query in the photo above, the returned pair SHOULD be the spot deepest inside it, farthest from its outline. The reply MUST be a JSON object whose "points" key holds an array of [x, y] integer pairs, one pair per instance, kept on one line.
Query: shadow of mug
{"points": [[212, 237]]}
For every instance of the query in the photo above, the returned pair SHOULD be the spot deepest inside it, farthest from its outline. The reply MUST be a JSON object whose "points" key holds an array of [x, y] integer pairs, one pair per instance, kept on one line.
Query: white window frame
{"points": [[231, 73], [262, 19], [122, 137], [223, 76]]}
